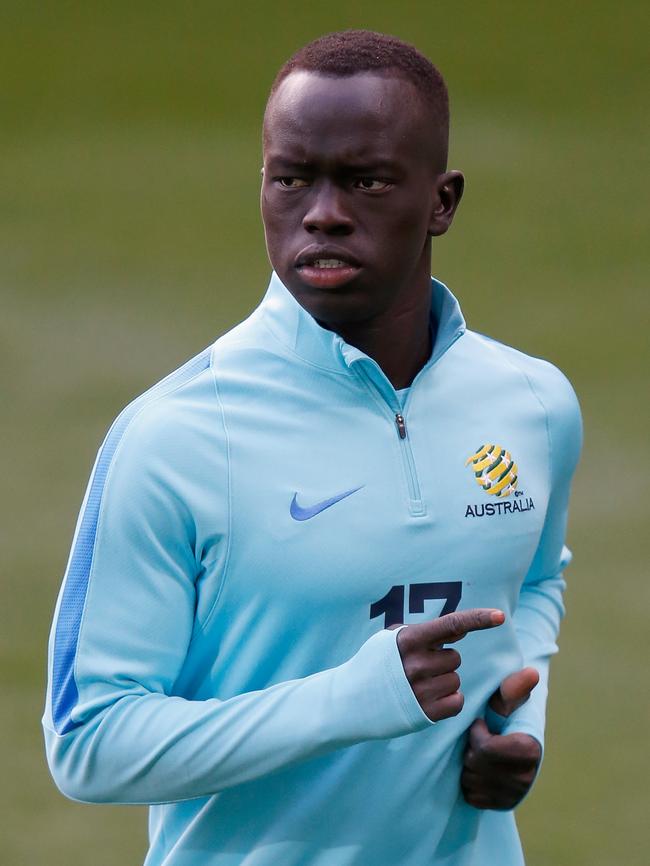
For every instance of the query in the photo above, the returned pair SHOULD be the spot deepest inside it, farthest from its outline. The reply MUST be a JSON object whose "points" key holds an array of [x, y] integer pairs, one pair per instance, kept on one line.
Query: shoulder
{"points": [[181, 417], [159, 430], [549, 387], [548, 383]]}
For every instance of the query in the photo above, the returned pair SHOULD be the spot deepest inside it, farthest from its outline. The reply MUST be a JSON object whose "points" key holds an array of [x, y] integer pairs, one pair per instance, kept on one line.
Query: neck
{"points": [[399, 339]]}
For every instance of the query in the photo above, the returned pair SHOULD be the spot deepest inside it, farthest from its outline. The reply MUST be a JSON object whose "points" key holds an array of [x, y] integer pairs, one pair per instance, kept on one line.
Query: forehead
{"points": [[312, 116]]}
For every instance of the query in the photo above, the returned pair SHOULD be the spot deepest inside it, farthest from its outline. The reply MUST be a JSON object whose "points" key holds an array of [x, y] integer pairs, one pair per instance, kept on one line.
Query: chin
{"points": [[334, 309]]}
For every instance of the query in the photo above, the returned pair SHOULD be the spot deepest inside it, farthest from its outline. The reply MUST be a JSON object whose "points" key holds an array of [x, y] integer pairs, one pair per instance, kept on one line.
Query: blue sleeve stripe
{"points": [[64, 688]]}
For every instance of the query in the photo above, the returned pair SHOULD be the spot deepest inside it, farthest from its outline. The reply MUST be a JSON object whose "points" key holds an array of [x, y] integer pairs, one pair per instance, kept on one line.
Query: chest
{"points": [[334, 504]]}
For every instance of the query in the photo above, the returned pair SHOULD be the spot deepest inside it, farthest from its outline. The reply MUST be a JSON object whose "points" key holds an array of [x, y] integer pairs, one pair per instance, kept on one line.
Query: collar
{"points": [[301, 333]]}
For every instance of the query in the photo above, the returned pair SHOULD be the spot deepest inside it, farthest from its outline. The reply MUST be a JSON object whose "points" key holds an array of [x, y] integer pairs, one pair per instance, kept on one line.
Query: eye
{"points": [[292, 182], [372, 184]]}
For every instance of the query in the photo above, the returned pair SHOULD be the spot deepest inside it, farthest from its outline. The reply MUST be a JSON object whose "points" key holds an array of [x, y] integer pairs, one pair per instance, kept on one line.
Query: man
{"points": [[348, 459]]}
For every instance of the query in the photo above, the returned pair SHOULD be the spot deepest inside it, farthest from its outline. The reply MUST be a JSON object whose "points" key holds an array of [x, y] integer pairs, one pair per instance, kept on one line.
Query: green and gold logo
{"points": [[494, 470]]}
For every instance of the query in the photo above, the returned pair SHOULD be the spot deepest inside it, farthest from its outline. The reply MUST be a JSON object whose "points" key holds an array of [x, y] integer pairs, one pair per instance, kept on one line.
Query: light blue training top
{"points": [[251, 526]]}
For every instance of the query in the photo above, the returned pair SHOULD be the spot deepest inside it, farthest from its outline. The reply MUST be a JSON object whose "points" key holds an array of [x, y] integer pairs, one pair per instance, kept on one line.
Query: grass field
{"points": [[130, 238]]}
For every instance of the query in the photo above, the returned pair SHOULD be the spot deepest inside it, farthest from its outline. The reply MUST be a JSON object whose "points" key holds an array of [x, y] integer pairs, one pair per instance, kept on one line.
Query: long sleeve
{"points": [[219, 653], [540, 607], [124, 625]]}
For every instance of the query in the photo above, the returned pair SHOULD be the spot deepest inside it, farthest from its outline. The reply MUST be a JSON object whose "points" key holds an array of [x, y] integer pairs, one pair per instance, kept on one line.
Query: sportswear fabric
{"points": [[251, 525]]}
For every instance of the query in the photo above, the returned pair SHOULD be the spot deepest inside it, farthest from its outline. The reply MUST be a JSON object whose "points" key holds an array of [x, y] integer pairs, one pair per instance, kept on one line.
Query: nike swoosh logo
{"points": [[300, 513]]}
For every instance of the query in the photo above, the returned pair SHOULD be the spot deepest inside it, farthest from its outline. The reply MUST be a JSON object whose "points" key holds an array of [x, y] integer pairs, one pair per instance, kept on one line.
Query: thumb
{"points": [[514, 691]]}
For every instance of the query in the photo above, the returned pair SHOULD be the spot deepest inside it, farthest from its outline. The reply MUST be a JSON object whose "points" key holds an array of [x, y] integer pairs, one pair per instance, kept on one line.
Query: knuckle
{"points": [[421, 696], [413, 674], [404, 642], [414, 638], [474, 620], [456, 702], [445, 707], [446, 660], [474, 799], [416, 668], [446, 684]]}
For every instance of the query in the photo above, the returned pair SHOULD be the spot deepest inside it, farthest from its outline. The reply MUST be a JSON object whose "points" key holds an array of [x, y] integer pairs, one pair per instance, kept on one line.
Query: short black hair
{"points": [[349, 52]]}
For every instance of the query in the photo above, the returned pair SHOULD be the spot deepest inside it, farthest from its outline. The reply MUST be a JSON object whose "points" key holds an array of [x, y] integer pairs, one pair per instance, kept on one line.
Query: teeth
{"points": [[329, 263]]}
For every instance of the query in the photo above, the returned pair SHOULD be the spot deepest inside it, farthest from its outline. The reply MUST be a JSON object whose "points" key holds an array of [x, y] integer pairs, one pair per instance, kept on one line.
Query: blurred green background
{"points": [[130, 238]]}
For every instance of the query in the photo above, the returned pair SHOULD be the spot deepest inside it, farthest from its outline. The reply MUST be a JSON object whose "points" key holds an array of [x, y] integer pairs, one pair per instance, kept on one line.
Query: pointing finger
{"points": [[454, 626]]}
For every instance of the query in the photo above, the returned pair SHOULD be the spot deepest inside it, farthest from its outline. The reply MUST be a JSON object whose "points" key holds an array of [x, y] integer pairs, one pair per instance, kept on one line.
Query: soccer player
{"points": [[257, 527]]}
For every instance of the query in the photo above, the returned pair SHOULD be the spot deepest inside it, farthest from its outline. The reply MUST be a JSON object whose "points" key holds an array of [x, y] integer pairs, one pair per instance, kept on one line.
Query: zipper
{"points": [[387, 399], [416, 505], [417, 508]]}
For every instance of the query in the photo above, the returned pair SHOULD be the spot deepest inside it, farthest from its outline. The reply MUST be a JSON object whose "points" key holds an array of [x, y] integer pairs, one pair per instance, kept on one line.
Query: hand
{"points": [[431, 669], [498, 770]]}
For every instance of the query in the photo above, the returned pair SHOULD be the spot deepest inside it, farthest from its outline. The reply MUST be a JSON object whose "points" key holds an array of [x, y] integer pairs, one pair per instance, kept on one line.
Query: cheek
{"points": [[272, 229], [412, 218], [278, 222], [406, 231], [266, 210], [403, 216]]}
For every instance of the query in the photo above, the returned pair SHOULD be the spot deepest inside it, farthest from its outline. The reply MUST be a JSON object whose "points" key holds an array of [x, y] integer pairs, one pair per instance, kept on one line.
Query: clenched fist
{"points": [[430, 668], [498, 770]]}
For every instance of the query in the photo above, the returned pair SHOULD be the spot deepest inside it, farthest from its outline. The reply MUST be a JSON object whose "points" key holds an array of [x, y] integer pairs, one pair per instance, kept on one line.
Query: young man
{"points": [[348, 459]]}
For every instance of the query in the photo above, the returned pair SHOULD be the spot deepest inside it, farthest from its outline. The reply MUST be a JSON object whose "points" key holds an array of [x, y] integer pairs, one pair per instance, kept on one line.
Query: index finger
{"points": [[454, 626]]}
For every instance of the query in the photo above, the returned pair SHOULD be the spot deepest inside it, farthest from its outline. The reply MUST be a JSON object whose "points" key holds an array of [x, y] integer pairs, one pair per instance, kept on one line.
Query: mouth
{"points": [[326, 268]]}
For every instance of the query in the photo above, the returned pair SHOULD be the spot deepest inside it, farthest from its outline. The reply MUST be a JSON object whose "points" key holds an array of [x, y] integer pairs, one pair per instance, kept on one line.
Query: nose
{"points": [[327, 212]]}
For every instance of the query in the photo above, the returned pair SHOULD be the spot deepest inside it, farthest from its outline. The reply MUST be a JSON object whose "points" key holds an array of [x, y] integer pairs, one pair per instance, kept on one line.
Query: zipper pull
{"points": [[401, 425]]}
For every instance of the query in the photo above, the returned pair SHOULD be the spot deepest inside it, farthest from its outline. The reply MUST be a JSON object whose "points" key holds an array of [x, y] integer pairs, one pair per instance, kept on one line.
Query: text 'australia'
{"points": [[506, 507]]}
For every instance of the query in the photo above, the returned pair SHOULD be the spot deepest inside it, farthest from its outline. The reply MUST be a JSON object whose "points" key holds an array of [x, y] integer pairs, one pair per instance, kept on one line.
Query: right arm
{"points": [[114, 729]]}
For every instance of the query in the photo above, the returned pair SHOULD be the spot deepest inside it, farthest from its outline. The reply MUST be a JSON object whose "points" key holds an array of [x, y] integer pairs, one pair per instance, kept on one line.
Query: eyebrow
{"points": [[371, 166], [290, 163], [363, 166]]}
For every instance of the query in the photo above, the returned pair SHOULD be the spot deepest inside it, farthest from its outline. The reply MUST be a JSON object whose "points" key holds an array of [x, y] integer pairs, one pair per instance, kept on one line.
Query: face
{"points": [[353, 189]]}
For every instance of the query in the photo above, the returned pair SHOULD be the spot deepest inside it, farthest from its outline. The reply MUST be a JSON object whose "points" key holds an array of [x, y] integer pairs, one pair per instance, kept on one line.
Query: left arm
{"points": [[505, 750]]}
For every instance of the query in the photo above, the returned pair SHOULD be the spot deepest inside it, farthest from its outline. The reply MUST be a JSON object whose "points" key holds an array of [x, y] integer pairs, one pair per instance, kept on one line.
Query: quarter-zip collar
{"points": [[296, 329]]}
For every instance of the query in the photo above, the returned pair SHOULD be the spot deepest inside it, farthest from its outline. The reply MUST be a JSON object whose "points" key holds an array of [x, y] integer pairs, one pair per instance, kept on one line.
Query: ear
{"points": [[447, 195]]}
